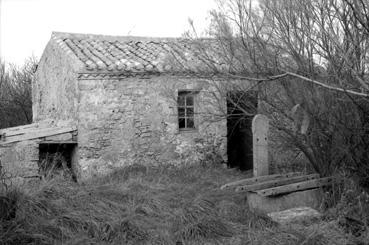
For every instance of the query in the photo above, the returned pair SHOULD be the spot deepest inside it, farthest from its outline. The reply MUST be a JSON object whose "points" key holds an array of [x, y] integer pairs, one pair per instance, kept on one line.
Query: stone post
{"points": [[260, 127]]}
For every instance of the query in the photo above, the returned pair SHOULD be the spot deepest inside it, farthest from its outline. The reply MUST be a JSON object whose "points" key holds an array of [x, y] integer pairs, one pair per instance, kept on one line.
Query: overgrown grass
{"points": [[141, 205]]}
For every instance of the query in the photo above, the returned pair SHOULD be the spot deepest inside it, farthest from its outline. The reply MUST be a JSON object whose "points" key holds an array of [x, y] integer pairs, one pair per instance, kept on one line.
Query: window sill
{"points": [[193, 130]]}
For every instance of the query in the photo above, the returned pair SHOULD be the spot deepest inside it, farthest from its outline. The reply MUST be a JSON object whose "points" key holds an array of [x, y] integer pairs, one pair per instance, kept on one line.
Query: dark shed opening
{"points": [[55, 158]]}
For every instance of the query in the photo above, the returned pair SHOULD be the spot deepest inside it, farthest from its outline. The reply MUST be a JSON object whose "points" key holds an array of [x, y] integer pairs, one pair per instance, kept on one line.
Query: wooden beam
{"points": [[60, 137], [277, 182], [250, 181], [305, 185], [38, 134], [58, 142]]}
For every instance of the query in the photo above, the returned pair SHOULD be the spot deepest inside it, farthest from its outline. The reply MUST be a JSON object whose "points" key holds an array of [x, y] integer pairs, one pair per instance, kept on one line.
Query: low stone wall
{"points": [[19, 162]]}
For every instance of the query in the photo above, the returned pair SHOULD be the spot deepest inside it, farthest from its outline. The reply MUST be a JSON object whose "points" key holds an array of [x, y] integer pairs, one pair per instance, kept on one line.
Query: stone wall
{"points": [[134, 120], [54, 88], [19, 161]]}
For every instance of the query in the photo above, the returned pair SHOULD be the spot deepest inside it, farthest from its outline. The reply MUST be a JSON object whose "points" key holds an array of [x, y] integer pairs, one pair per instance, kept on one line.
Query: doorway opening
{"points": [[58, 158], [241, 108]]}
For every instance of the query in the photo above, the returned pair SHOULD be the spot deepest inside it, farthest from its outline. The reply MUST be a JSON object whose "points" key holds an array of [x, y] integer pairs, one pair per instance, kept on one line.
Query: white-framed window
{"points": [[186, 110]]}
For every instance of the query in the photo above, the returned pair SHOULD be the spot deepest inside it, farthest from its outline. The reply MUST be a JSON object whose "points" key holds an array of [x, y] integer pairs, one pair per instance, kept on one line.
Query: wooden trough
{"points": [[272, 193]]}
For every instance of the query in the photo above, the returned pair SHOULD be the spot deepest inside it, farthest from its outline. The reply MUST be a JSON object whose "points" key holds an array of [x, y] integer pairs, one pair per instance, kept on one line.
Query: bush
{"points": [[351, 210]]}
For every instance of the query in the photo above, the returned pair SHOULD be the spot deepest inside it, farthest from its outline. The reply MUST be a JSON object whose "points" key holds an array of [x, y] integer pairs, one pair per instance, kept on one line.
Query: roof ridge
{"points": [[56, 35]]}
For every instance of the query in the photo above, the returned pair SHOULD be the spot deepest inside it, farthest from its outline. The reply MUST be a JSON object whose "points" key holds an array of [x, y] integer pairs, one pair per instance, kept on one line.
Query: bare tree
{"points": [[16, 94], [310, 55]]}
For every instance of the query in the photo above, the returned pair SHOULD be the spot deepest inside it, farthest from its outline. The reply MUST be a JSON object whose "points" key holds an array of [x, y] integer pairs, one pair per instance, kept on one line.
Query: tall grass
{"points": [[139, 205]]}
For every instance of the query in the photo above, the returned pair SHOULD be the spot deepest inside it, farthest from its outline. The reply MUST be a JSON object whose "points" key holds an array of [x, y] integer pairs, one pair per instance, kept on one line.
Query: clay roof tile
{"points": [[133, 54]]}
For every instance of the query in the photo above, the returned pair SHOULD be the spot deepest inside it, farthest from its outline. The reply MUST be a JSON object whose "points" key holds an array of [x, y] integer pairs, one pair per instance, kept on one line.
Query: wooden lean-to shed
{"points": [[23, 148]]}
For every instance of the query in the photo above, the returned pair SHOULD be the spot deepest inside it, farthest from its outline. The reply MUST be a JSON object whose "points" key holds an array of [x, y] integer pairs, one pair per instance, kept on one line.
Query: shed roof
{"points": [[109, 54], [35, 131]]}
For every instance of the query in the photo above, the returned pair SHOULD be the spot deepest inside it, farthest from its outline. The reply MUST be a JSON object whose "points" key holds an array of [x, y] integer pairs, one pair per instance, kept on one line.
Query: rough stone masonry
{"points": [[122, 95]]}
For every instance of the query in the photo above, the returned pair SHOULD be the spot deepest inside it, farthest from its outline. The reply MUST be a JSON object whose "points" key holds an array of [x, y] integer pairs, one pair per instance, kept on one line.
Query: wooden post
{"points": [[260, 128]]}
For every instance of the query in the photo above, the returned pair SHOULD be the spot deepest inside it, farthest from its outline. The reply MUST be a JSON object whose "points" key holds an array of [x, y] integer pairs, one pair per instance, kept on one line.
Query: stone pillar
{"points": [[260, 127]]}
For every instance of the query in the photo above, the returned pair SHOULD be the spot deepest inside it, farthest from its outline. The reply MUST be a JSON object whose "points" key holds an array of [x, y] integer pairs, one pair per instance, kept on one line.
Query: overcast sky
{"points": [[26, 25]]}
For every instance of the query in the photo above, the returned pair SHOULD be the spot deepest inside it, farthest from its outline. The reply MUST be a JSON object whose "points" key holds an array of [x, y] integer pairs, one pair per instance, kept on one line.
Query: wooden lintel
{"points": [[250, 181], [305, 185], [277, 182], [61, 137], [58, 142]]}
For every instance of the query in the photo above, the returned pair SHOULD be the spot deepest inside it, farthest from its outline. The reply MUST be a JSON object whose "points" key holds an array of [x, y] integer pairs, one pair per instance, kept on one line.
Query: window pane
{"points": [[181, 100], [190, 122], [181, 123], [181, 112], [189, 100], [189, 112]]}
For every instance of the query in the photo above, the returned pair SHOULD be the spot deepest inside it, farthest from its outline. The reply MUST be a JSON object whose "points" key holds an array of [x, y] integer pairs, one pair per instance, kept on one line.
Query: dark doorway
{"points": [[57, 157], [241, 108]]}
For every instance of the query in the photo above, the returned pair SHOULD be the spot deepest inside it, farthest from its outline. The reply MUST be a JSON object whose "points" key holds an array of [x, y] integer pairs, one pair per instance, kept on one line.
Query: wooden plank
{"points": [[305, 185], [32, 125], [277, 182], [19, 130], [38, 134], [28, 131], [250, 181]]}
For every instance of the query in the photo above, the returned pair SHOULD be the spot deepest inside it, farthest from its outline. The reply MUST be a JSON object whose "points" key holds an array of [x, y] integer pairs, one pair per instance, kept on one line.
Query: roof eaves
{"points": [[147, 74]]}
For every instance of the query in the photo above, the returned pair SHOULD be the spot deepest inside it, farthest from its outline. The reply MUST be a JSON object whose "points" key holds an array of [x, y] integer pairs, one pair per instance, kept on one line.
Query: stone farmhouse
{"points": [[110, 101]]}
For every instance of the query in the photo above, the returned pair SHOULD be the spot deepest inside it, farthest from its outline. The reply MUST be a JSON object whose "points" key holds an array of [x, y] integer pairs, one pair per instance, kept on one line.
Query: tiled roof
{"points": [[109, 54]]}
